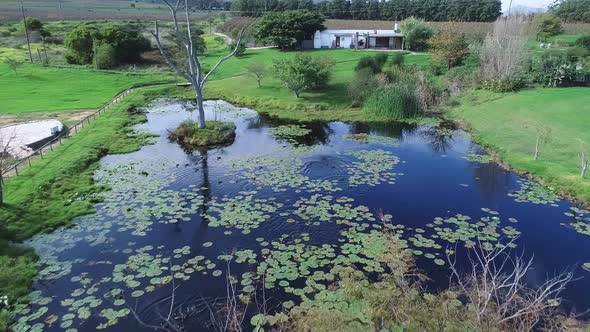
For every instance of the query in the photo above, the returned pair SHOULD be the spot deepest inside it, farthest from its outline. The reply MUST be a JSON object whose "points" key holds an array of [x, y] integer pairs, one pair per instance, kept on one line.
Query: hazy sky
{"points": [[528, 3]]}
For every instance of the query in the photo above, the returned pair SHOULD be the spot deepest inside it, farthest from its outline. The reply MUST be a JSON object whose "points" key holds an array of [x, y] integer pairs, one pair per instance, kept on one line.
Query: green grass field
{"points": [[39, 89], [508, 125]]}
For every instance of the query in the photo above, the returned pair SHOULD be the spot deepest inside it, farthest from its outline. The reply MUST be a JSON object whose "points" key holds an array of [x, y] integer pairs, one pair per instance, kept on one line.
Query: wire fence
{"points": [[56, 141]]}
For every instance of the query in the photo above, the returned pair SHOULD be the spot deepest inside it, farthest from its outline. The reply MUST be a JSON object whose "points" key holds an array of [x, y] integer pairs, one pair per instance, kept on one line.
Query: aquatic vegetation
{"points": [[479, 158], [366, 139], [280, 173], [215, 133], [580, 220], [533, 193], [373, 168], [586, 266], [290, 131], [319, 208], [243, 212]]}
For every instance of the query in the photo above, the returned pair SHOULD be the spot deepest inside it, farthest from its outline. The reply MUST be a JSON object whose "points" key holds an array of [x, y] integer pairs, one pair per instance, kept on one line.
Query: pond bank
{"points": [[509, 124]]}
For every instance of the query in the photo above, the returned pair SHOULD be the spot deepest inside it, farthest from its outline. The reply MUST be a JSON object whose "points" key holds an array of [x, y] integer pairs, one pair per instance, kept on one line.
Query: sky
{"points": [[528, 3]]}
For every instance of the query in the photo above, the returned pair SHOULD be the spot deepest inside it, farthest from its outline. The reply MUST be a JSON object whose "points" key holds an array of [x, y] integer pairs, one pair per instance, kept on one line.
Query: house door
{"points": [[337, 42]]}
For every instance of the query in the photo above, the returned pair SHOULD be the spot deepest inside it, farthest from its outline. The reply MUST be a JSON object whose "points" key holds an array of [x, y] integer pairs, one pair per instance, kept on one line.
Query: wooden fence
{"points": [[64, 134]]}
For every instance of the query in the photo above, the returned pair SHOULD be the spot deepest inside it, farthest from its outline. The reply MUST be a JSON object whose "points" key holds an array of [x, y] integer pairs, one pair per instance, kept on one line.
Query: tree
{"points": [[80, 43], [548, 25], [583, 158], [449, 45], [194, 72], [13, 64], [504, 54], [416, 34], [6, 160], [257, 71], [303, 72], [285, 29], [572, 10], [33, 24], [128, 44], [105, 57]]}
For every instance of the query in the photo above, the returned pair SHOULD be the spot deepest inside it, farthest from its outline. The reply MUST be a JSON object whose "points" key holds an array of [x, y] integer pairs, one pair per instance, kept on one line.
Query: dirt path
{"points": [[66, 117]]}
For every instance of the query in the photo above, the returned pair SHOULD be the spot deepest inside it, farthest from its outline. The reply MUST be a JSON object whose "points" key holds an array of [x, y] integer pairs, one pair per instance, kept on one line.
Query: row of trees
{"points": [[430, 10], [572, 10]]}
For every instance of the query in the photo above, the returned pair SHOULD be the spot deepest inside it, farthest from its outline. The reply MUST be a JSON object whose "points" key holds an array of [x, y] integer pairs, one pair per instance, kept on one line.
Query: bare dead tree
{"points": [[504, 53], [194, 72], [22, 9], [7, 161], [543, 135], [496, 288]]}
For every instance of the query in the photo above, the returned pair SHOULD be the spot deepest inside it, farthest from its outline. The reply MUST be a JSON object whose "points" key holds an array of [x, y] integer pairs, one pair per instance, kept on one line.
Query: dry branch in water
{"points": [[496, 288]]}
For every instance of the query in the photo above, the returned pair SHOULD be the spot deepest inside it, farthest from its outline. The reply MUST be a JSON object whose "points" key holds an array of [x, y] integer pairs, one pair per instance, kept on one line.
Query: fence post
{"points": [[51, 145], [41, 152], [29, 160], [16, 170]]}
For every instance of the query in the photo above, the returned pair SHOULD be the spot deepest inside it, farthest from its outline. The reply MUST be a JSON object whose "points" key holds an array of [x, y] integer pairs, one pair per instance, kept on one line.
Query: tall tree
{"points": [[358, 9], [285, 29], [194, 72]]}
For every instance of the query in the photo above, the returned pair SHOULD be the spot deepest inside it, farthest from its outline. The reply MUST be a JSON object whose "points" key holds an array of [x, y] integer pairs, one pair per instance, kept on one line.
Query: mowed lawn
{"points": [[41, 89], [509, 126]]}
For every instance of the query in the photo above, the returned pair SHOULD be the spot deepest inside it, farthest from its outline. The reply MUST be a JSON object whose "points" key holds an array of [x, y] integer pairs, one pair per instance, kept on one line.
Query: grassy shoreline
{"points": [[508, 124]]}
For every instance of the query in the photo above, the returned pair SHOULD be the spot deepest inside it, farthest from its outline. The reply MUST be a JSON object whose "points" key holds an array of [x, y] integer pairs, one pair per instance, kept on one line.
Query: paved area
{"points": [[15, 139]]}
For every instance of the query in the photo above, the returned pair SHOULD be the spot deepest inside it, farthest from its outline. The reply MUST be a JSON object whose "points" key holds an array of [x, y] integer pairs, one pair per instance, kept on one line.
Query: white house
{"points": [[359, 39]]}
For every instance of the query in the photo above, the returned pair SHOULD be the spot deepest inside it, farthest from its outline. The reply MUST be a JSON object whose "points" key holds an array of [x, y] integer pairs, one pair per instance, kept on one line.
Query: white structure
{"points": [[21, 137], [359, 39]]}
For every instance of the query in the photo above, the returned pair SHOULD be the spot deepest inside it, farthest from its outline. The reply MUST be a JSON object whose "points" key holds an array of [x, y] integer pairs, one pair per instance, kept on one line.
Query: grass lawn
{"points": [[40, 89], [508, 125]]}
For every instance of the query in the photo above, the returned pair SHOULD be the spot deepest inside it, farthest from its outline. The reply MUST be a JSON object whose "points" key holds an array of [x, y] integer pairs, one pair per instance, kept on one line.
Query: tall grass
{"points": [[395, 101]]}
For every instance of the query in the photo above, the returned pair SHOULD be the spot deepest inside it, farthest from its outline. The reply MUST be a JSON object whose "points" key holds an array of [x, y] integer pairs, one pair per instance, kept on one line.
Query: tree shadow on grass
{"points": [[335, 94]]}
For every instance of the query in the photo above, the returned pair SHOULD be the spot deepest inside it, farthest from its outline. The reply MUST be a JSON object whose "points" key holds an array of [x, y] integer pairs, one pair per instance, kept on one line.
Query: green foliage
{"points": [[449, 45], [190, 136], [288, 28], [363, 85], [573, 10], [547, 26], [241, 48], [416, 33], [105, 57], [33, 24], [303, 72], [394, 101], [584, 42], [555, 69], [374, 63], [128, 44], [13, 64], [16, 275], [397, 59], [80, 44]]}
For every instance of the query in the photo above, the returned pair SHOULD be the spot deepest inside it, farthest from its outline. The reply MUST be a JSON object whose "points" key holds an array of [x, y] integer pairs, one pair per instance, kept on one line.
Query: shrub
{"points": [[241, 49], [80, 44], [105, 57], [459, 79], [548, 25], [129, 44], [449, 45], [33, 24], [364, 83], [416, 33], [374, 63], [555, 69], [584, 42], [303, 72], [397, 59]]}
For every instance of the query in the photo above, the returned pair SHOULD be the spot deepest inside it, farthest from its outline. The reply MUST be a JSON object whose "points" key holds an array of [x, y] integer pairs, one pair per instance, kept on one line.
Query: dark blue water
{"points": [[110, 266]]}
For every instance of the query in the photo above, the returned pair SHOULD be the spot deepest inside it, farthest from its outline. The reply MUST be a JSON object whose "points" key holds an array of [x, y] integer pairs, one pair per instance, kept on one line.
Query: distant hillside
{"points": [[526, 10]]}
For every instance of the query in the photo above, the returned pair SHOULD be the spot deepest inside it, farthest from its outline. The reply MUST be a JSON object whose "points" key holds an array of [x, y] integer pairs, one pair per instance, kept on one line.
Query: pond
{"points": [[284, 206]]}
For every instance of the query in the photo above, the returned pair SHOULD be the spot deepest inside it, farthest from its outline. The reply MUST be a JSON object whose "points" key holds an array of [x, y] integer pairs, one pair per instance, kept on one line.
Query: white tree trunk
{"points": [[536, 155]]}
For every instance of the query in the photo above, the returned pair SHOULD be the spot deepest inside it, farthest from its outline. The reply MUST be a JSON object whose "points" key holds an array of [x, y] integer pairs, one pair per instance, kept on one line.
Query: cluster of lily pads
{"points": [[534, 193], [581, 220], [290, 131], [373, 168], [366, 139], [479, 158]]}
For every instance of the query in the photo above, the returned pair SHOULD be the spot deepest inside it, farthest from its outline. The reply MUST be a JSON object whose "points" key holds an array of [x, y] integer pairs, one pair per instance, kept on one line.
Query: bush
{"points": [[449, 45], [364, 83], [459, 79], [584, 42], [555, 69], [397, 59], [304, 72], [416, 33], [105, 57], [80, 44], [547, 26], [241, 49], [374, 63]]}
